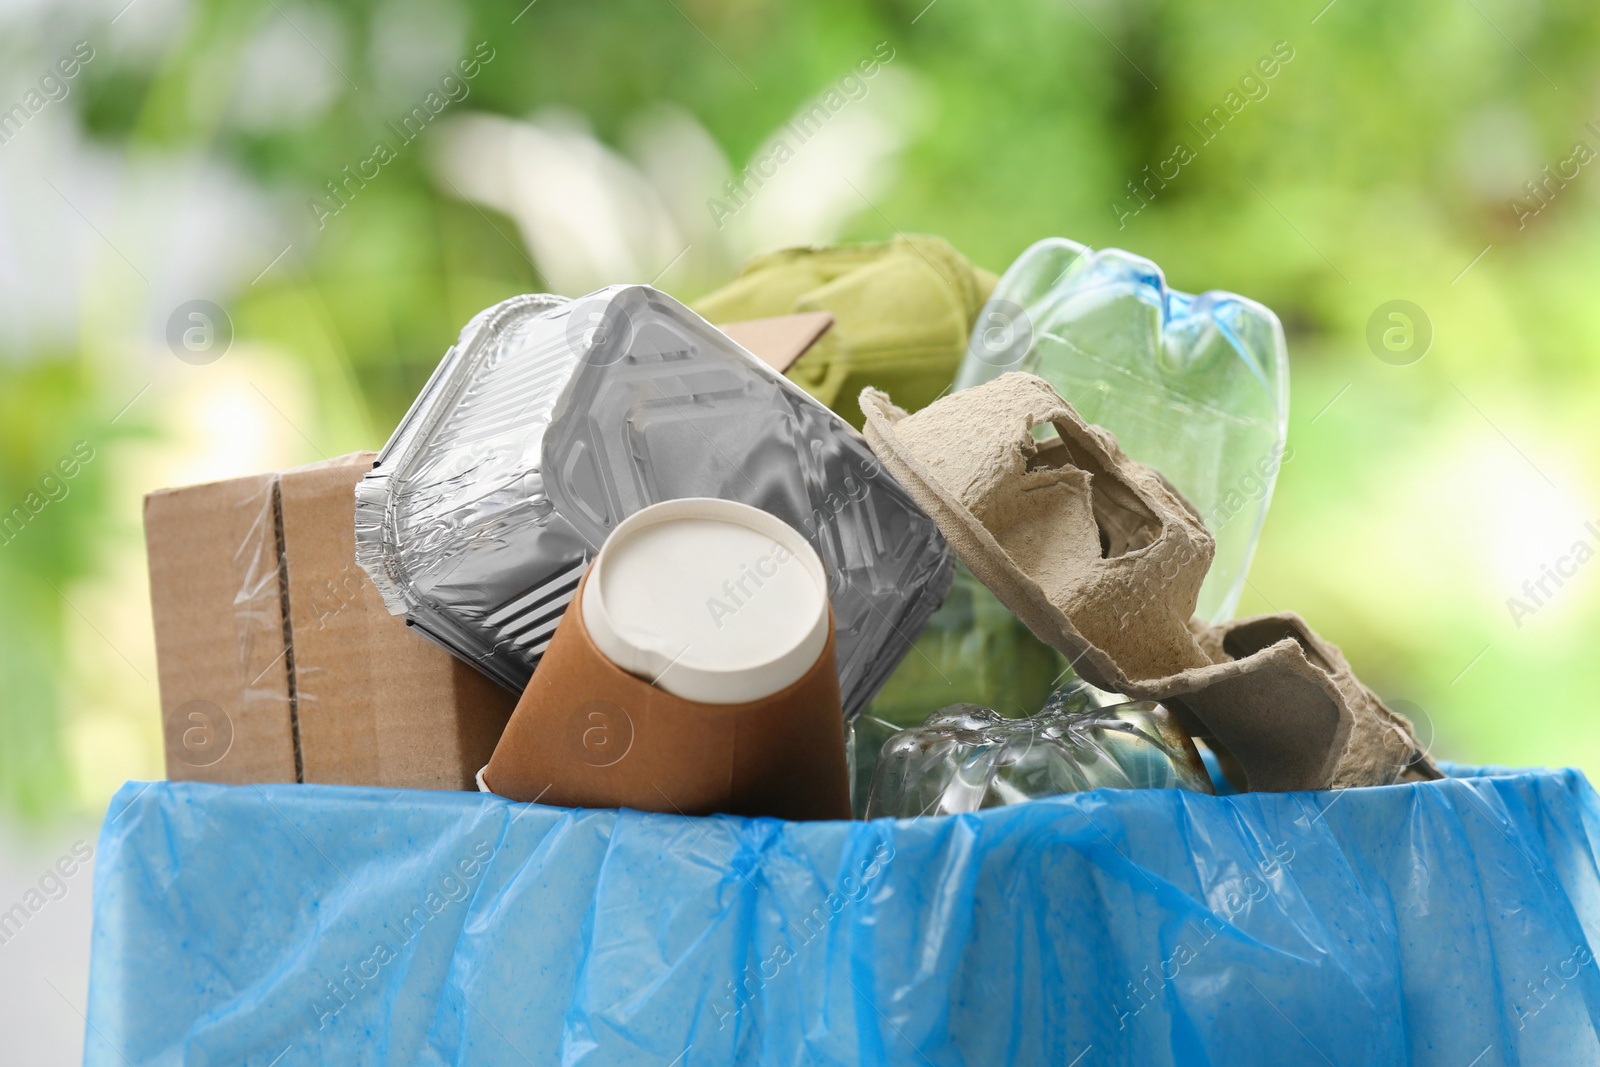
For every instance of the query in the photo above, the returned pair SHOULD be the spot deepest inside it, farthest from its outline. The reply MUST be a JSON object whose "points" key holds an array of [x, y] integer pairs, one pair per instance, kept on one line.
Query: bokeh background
{"points": [[1437, 152]]}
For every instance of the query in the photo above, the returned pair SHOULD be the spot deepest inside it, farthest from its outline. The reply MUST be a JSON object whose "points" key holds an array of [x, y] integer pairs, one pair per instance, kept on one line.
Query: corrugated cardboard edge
{"points": [[288, 628]]}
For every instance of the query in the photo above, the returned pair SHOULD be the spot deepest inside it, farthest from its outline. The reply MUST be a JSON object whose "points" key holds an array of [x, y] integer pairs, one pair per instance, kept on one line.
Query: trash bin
{"points": [[1443, 923]]}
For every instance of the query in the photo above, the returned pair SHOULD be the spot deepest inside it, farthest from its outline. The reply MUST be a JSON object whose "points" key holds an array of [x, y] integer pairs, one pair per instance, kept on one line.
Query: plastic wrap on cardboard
{"points": [[218, 605], [264, 693], [1195, 386], [552, 421], [307, 925], [966, 758]]}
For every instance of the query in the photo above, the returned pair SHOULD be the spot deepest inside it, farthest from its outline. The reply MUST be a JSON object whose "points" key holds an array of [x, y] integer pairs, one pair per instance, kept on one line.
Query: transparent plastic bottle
{"points": [[1194, 386]]}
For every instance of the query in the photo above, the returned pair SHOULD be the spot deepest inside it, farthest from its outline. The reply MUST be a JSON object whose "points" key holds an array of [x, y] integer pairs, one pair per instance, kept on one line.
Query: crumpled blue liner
{"points": [[1444, 923]]}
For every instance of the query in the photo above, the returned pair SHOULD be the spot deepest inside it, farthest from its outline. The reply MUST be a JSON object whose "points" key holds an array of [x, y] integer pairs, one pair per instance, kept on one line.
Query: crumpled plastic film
{"points": [[1444, 923]]}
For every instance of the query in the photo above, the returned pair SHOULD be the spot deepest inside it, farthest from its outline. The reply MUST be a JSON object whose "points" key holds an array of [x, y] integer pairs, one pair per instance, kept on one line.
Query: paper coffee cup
{"points": [[692, 673]]}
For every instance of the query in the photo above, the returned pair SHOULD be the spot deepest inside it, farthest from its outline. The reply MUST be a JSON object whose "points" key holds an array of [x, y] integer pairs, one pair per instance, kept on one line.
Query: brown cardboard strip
{"points": [[781, 340]]}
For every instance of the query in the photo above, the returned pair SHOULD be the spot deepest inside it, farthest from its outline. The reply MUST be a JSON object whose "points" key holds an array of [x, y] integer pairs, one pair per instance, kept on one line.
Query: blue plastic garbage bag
{"points": [[1446, 923]]}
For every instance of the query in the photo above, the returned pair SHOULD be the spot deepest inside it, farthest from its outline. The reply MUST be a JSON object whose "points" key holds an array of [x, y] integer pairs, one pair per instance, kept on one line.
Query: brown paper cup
{"points": [[588, 734]]}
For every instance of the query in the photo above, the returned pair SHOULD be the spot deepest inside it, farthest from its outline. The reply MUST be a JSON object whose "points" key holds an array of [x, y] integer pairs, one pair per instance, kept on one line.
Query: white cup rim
{"points": [[703, 684]]}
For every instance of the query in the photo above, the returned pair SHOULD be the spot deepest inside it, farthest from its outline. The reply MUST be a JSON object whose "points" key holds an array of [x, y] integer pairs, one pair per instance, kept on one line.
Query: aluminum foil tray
{"points": [[551, 421]]}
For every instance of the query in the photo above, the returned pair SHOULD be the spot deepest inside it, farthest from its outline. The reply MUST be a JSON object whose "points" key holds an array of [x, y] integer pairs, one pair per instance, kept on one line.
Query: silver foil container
{"points": [[551, 421]]}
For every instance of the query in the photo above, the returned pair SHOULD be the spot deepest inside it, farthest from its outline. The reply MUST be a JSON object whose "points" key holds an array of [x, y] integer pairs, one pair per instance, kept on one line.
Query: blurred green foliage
{"points": [[1382, 158]]}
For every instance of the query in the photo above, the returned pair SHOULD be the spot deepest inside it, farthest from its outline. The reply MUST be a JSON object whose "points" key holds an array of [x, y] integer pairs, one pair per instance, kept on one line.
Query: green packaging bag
{"points": [[903, 312]]}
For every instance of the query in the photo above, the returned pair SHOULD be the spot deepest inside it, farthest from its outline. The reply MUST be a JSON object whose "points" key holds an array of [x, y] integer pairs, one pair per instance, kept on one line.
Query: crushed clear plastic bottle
{"points": [[968, 757]]}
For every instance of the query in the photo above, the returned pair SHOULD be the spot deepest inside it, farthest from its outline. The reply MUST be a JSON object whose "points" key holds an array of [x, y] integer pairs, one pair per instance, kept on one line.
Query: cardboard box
{"points": [[277, 659]]}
